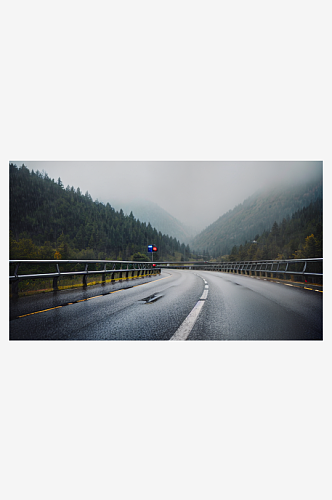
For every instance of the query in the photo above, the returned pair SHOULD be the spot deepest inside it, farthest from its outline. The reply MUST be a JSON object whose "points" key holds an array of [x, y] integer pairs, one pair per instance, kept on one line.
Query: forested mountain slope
{"points": [[46, 218], [254, 216], [299, 236]]}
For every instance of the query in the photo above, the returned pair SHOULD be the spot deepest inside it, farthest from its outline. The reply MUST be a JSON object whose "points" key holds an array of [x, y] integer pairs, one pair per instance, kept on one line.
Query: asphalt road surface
{"points": [[175, 305]]}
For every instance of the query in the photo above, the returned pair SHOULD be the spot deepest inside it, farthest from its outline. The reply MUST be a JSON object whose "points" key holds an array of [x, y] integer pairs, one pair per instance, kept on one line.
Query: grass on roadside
{"points": [[36, 286]]}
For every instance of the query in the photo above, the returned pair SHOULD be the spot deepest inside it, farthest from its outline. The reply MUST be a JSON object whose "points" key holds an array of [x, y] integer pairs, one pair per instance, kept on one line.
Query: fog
{"points": [[195, 192]]}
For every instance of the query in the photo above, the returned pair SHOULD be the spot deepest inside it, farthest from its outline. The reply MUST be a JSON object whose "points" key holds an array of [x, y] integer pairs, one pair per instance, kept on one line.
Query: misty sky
{"points": [[195, 192]]}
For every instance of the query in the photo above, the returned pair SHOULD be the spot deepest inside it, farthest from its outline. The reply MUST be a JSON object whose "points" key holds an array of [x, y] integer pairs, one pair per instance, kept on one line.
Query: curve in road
{"points": [[177, 305]]}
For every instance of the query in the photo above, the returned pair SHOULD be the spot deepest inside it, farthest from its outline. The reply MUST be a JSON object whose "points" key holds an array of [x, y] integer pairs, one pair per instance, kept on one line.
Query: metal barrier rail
{"points": [[140, 268], [293, 268], [278, 268]]}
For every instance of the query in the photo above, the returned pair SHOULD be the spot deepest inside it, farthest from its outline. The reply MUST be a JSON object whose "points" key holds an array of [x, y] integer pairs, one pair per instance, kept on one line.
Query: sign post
{"points": [[152, 249]]}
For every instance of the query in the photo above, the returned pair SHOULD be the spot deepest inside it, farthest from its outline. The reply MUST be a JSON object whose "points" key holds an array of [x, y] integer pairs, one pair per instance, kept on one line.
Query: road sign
{"points": [[152, 248]]}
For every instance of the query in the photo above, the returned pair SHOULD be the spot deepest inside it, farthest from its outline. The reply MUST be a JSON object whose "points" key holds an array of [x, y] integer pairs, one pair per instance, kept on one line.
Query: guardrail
{"points": [[281, 269], [293, 269], [125, 270]]}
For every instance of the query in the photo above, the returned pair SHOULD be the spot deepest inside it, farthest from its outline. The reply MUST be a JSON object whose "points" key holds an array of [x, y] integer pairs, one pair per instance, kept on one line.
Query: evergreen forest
{"points": [[299, 236], [49, 221], [257, 215]]}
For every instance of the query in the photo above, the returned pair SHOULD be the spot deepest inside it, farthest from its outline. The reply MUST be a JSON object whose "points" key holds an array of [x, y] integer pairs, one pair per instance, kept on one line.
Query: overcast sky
{"points": [[195, 192]]}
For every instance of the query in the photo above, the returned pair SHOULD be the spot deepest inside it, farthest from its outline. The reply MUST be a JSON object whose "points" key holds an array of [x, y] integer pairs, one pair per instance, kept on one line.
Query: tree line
{"points": [[256, 215], [299, 236], [49, 221]]}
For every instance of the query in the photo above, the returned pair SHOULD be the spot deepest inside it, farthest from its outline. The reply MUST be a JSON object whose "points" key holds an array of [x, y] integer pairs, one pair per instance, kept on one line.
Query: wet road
{"points": [[177, 305], [245, 308]]}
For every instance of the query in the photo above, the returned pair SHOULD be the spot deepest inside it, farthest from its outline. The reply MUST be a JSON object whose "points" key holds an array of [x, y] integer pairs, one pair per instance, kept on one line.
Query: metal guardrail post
{"points": [[55, 279], [15, 283], [85, 276]]}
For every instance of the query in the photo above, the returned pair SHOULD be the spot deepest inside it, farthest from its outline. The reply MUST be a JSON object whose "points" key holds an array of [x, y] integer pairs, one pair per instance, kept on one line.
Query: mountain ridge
{"points": [[45, 214], [256, 214], [150, 212]]}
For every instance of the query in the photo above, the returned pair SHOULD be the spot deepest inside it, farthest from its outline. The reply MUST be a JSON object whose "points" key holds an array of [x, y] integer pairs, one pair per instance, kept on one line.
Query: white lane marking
{"points": [[183, 331], [185, 328]]}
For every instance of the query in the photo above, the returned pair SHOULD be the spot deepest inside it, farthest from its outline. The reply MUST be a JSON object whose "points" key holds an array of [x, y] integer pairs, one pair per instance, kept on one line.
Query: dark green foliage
{"points": [[300, 236], [139, 257], [255, 215], [46, 219]]}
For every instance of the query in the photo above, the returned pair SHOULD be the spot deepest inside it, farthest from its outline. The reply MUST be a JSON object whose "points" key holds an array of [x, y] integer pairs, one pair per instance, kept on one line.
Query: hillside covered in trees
{"points": [[299, 236], [256, 215], [50, 221]]}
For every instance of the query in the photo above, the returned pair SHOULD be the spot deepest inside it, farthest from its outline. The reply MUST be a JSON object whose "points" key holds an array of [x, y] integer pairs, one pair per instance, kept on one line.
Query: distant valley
{"points": [[149, 212]]}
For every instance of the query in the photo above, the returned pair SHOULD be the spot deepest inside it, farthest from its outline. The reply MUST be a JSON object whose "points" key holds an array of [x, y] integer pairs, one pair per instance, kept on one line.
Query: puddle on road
{"points": [[151, 298]]}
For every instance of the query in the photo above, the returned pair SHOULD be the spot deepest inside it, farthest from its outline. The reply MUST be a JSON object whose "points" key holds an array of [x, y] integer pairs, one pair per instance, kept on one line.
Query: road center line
{"points": [[185, 328]]}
